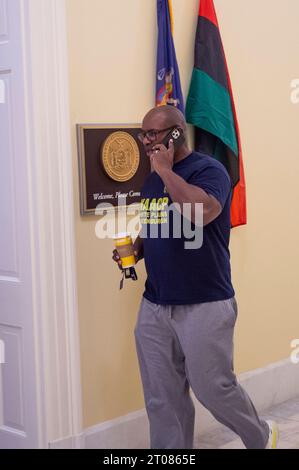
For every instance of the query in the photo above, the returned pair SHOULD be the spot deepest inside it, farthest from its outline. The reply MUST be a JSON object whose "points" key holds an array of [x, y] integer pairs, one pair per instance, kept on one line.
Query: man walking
{"points": [[185, 325]]}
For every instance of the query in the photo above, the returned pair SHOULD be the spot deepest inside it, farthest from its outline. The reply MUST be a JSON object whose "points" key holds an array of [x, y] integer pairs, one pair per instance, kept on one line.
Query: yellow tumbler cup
{"points": [[124, 246]]}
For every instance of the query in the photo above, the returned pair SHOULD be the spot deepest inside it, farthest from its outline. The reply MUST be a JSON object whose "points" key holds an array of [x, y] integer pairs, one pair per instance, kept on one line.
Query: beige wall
{"points": [[112, 48]]}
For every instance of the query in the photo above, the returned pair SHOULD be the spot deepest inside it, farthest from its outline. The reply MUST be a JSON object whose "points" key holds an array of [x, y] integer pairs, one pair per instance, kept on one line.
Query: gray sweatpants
{"points": [[183, 346]]}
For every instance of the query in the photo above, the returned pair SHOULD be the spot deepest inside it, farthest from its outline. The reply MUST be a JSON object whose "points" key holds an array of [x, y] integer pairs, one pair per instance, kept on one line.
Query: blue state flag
{"points": [[168, 85]]}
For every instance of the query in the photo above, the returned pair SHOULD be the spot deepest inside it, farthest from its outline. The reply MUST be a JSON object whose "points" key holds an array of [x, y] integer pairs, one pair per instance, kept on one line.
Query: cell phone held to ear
{"points": [[177, 135]]}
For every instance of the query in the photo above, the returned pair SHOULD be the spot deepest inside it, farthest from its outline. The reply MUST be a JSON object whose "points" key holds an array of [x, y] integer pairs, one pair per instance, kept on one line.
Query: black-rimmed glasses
{"points": [[152, 134]]}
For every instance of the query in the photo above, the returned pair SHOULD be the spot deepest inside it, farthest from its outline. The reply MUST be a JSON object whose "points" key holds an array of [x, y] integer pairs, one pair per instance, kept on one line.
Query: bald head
{"points": [[156, 125], [164, 116]]}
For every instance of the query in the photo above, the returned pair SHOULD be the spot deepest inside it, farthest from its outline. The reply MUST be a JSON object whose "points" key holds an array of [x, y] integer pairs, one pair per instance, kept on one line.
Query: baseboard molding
{"points": [[267, 387]]}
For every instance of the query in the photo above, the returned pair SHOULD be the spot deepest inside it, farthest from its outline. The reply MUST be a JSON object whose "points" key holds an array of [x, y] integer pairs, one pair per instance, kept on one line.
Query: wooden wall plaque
{"points": [[112, 163]]}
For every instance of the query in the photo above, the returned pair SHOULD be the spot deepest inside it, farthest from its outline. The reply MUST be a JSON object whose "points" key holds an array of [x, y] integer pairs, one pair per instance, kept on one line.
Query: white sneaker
{"points": [[273, 435]]}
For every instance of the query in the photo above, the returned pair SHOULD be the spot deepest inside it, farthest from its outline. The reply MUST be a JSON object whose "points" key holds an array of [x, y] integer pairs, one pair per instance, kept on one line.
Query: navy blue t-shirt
{"points": [[176, 275]]}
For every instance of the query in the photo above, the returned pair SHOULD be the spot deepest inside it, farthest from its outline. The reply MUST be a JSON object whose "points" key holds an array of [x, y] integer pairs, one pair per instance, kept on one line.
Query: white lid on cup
{"points": [[121, 235]]}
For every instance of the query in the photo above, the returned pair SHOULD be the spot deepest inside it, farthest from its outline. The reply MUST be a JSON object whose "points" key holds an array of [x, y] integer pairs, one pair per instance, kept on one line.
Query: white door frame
{"points": [[52, 221]]}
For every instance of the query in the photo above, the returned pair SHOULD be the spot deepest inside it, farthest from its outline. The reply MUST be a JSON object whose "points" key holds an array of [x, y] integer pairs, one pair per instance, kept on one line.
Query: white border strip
{"points": [[267, 387], [52, 220]]}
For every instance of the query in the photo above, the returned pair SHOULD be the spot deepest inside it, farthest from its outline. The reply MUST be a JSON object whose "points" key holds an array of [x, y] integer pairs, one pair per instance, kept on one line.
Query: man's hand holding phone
{"points": [[162, 158]]}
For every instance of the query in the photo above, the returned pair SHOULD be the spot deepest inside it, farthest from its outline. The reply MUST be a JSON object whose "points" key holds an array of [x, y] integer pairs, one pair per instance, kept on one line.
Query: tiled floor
{"points": [[286, 415]]}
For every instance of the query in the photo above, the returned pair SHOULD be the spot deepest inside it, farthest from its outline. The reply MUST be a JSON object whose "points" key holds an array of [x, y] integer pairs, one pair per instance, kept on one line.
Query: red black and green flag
{"points": [[210, 107]]}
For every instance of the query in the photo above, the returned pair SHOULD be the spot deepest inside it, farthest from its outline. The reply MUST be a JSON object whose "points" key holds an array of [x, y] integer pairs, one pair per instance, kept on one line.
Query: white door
{"points": [[18, 409]]}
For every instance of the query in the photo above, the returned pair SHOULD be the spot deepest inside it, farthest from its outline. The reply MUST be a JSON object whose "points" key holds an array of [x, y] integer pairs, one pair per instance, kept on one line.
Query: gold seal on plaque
{"points": [[120, 156]]}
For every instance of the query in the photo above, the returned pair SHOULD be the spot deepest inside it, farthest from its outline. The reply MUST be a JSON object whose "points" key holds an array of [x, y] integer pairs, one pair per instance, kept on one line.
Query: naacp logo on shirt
{"points": [[154, 210]]}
